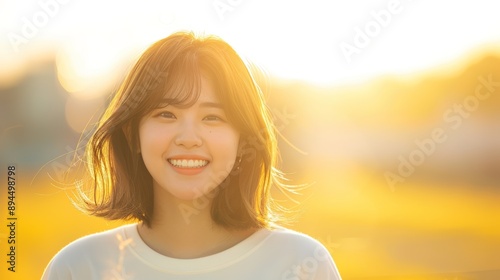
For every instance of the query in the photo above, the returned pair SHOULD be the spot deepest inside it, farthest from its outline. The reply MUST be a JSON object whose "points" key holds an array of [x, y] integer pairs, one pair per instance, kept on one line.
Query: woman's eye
{"points": [[213, 118], [166, 115]]}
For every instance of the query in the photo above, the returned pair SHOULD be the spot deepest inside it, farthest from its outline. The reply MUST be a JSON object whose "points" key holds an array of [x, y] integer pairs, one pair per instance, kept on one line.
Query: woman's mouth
{"points": [[188, 163]]}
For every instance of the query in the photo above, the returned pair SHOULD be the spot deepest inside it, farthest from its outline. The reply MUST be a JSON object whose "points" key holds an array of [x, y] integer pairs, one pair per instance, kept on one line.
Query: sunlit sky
{"points": [[322, 42]]}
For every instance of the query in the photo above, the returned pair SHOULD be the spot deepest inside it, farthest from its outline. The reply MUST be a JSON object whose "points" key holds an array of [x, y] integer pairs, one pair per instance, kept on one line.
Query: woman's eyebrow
{"points": [[211, 105], [207, 104]]}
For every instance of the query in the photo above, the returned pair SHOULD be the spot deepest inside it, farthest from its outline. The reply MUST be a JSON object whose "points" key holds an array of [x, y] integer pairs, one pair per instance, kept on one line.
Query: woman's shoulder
{"points": [[291, 244], [93, 247], [96, 241], [300, 255], [292, 239]]}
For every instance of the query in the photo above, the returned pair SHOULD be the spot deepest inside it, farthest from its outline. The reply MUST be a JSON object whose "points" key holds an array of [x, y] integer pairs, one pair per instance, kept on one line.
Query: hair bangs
{"points": [[180, 86]]}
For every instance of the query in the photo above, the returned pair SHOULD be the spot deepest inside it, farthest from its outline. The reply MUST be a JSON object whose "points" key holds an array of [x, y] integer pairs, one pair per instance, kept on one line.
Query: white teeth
{"points": [[188, 163]]}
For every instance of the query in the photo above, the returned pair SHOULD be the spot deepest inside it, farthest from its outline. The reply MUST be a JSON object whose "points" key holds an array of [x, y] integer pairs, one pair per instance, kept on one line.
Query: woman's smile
{"points": [[188, 165]]}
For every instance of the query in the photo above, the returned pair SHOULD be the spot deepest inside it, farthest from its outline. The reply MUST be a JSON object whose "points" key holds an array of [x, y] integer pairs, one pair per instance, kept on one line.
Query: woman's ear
{"points": [[241, 144], [127, 131]]}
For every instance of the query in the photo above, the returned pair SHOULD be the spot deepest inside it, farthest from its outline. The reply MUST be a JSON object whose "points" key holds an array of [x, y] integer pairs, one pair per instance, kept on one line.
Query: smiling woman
{"points": [[187, 148]]}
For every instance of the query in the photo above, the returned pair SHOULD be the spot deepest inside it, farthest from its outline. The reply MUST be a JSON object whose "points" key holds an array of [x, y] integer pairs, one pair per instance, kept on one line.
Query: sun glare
{"points": [[86, 68], [334, 43]]}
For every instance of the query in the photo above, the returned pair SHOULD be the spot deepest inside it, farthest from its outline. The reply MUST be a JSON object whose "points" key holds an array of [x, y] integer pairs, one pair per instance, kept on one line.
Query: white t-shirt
{"points": [[120, 253]]}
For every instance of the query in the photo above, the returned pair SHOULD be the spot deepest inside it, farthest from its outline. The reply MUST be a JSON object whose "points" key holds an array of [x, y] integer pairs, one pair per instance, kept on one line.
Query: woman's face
{"points": [[189, 151]]}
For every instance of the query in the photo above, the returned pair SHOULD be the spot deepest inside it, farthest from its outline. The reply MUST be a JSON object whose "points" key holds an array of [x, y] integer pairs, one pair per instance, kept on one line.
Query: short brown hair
{"points": [[121, 185]]}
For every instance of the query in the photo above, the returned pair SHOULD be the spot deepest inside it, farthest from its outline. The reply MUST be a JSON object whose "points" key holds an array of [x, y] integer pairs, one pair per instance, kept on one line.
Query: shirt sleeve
{"points": [[315, 263], [322, 265], [56, 270]]}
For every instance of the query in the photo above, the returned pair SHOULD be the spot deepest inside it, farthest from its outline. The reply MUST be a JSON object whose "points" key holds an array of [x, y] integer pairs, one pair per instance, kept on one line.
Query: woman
{"points": [[188, 150]]}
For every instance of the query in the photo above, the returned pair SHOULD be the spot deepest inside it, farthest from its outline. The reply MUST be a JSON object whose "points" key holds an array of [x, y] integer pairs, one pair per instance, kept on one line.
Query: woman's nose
{"points": [[188, 135]]}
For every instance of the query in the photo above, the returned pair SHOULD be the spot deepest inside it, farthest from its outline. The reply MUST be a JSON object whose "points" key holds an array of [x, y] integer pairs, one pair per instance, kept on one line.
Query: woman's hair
{"points": [[171, 70]]}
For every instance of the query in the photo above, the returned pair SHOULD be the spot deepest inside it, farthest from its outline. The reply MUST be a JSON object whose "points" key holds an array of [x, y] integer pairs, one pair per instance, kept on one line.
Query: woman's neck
{"points": [[185, 230]]}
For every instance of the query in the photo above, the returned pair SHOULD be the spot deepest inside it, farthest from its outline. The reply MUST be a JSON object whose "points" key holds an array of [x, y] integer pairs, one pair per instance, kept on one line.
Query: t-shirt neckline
{"points": [[197, 265]]}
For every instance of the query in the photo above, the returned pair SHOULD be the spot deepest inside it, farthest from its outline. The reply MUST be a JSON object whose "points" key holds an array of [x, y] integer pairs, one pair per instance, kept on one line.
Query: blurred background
{"points": [[389, 110]]}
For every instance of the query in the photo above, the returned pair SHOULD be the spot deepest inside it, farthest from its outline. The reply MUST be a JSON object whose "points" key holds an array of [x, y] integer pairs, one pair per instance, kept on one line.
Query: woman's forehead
{"points": [[202, 92]]}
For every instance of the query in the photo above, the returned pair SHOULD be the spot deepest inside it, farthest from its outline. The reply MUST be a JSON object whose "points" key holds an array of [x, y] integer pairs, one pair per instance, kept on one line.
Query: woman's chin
{"points": [[192, 196]]}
